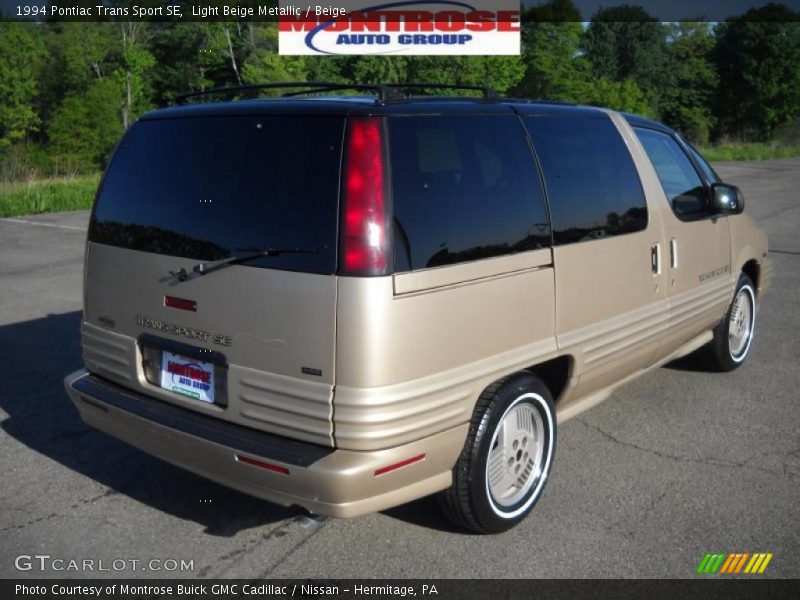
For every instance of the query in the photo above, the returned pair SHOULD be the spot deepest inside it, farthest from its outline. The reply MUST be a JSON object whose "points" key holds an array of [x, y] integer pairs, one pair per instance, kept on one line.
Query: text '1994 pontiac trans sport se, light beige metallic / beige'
{"points": [[349, 297]]}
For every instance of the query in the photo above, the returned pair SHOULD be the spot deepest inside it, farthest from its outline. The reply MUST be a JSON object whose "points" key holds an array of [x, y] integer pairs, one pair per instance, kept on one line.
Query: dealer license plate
{"points": [[187, 376]]}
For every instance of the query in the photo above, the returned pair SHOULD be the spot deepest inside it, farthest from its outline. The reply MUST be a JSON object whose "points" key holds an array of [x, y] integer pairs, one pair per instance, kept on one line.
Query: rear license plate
{"points": [[187, 376]]}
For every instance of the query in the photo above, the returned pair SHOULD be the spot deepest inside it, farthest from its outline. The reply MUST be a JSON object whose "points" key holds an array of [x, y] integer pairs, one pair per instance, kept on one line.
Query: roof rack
{"points": [[385, 92], [488, 93]]}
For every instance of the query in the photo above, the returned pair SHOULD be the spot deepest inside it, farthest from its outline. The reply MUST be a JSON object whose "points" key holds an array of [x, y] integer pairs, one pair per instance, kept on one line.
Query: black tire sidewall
{"points": [[523, 388]]}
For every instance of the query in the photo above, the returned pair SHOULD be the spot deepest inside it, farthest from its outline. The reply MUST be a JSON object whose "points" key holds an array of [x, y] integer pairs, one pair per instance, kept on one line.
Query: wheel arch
{"points": [[752, 269], [555, 374]]}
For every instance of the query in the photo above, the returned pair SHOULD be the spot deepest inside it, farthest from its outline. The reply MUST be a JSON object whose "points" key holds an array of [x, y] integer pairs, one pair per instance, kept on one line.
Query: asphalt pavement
{"points": [[678, 463]]}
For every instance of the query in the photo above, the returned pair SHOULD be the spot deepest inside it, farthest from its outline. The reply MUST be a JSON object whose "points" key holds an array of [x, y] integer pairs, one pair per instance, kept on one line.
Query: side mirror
{"points": [[726, 198]]}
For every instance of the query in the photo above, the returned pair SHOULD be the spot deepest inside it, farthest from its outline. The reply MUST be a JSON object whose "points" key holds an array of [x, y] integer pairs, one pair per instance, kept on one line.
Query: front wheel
{"points": [[734, 334], [507, 458]]}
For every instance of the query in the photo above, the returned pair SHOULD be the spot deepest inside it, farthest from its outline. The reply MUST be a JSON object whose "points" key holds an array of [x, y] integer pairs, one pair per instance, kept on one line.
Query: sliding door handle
{"points": [[655, 259], [673, 253]]}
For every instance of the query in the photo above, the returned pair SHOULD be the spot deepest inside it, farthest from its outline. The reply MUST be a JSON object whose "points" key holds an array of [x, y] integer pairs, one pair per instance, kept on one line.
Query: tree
{"points": [[622, 95], [498, 72], [178, 51], [551, 37], [688, 103], [626, 42], [135, 60], [554, 68], [756, 57], [21, 55], [86, 50], [86, 126], [265, 65], [378, 69]]}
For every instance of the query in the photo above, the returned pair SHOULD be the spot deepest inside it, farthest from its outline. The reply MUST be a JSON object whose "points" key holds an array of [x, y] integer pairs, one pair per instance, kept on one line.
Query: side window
{"points": [[592, 184], [681, 183], [464, 188]]}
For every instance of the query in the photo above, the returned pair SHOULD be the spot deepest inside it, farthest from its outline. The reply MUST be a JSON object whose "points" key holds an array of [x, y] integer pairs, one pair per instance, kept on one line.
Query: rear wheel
{"points": [[507, 458], [734, 334]]}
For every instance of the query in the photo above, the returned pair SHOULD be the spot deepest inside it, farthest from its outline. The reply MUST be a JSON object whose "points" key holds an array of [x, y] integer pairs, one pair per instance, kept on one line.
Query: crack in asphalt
{"points": [[281, 530], [651, 507], [83, 502], [312, 533], [716, 462]]}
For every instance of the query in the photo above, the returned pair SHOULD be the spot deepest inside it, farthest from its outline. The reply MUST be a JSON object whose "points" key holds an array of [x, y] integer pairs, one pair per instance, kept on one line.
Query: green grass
{"points": [[763, 151], [47, 195]]}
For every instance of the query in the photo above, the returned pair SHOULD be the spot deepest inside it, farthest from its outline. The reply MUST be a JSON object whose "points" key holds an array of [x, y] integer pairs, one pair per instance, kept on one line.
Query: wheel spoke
{"points": [[740, 323], [499, 475], [514, 462]]}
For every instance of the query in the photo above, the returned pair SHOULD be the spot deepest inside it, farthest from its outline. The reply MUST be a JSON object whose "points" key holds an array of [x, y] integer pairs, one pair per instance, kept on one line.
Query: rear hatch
{"points": [[250, 341]]}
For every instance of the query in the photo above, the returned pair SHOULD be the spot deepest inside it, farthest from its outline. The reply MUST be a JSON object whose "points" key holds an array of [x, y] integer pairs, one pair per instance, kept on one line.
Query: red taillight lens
{"points": [[261, 464], [402, 463], [365, 237]]}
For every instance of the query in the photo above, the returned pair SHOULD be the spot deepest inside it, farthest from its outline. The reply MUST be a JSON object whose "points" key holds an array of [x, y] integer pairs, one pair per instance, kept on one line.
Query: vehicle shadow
{"points": [[34, 358], [691, 363], [425, 512]]}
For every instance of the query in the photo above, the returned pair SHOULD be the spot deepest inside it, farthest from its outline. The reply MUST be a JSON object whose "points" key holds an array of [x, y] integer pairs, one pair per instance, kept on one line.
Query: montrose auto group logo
{"points": [[401, 28]]}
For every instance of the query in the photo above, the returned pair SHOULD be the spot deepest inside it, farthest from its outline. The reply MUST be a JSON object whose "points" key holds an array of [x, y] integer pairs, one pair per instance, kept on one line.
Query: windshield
{"points": [[203, 187]]}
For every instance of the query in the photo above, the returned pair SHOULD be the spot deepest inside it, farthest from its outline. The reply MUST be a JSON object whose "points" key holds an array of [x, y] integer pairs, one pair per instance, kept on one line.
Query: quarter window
{"points": [[678, 177], [592, 184], [710, 174], [464, 188]]}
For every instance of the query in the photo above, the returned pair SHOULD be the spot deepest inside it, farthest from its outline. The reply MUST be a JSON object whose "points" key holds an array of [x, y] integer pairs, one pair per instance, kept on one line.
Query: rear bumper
{"points": [[325, 481]]}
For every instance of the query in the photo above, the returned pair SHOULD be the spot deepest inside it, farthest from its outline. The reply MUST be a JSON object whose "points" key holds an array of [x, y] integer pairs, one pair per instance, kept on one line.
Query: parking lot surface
{"points": [[678, 463]]}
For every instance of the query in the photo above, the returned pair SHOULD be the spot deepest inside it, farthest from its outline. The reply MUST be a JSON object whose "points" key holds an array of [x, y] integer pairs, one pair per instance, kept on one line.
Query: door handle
{"points": [[673, 253], [655, 259]]}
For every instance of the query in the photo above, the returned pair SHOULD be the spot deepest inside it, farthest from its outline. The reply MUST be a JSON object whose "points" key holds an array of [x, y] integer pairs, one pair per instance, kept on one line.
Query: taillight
{"points": [[261, 464], [365, 239]]}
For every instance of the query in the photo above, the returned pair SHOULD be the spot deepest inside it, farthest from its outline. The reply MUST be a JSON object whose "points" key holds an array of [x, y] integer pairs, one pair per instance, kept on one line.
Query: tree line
{"points": [[69, 90]]}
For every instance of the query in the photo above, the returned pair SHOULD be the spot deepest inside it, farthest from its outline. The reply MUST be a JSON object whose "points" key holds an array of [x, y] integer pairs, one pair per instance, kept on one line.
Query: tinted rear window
{"points": [[464, 188], [207, 188], [592, 184]]}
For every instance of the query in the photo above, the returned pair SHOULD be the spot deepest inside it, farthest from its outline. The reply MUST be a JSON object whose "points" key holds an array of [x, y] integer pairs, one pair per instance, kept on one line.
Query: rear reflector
{"points": [[365, 238], [402, 463], [181, 303], [262, 465]]}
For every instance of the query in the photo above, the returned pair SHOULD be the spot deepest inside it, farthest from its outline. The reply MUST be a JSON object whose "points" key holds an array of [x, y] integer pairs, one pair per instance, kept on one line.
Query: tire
{"points": [[733, 335], [506, 461]]}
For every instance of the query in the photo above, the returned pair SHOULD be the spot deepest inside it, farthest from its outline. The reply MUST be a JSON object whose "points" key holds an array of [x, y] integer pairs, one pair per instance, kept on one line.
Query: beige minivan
{"points": [[348, 302]]}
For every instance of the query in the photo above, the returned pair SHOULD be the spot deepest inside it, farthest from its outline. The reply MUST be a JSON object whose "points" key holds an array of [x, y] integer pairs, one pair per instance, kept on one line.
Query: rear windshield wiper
{"points": [[204, 268]]}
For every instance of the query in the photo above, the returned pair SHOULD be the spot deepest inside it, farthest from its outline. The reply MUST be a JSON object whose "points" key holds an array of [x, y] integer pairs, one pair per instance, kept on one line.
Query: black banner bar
{"points": [[178, 11], [735, 588]]}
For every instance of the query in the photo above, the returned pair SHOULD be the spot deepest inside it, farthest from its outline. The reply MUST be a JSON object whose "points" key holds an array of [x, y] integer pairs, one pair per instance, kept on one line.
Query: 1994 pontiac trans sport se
{"points": [[349, 301]]}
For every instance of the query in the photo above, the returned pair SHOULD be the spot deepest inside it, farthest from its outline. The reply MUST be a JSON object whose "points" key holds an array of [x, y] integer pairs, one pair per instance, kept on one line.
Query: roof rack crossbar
{"points": [[487, 92], [385, 92]]}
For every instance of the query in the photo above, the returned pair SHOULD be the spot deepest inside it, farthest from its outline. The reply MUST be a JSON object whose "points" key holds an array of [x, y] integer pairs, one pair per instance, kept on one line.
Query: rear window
{"points": [[210, 187], [592, 184], [464, 188]]}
